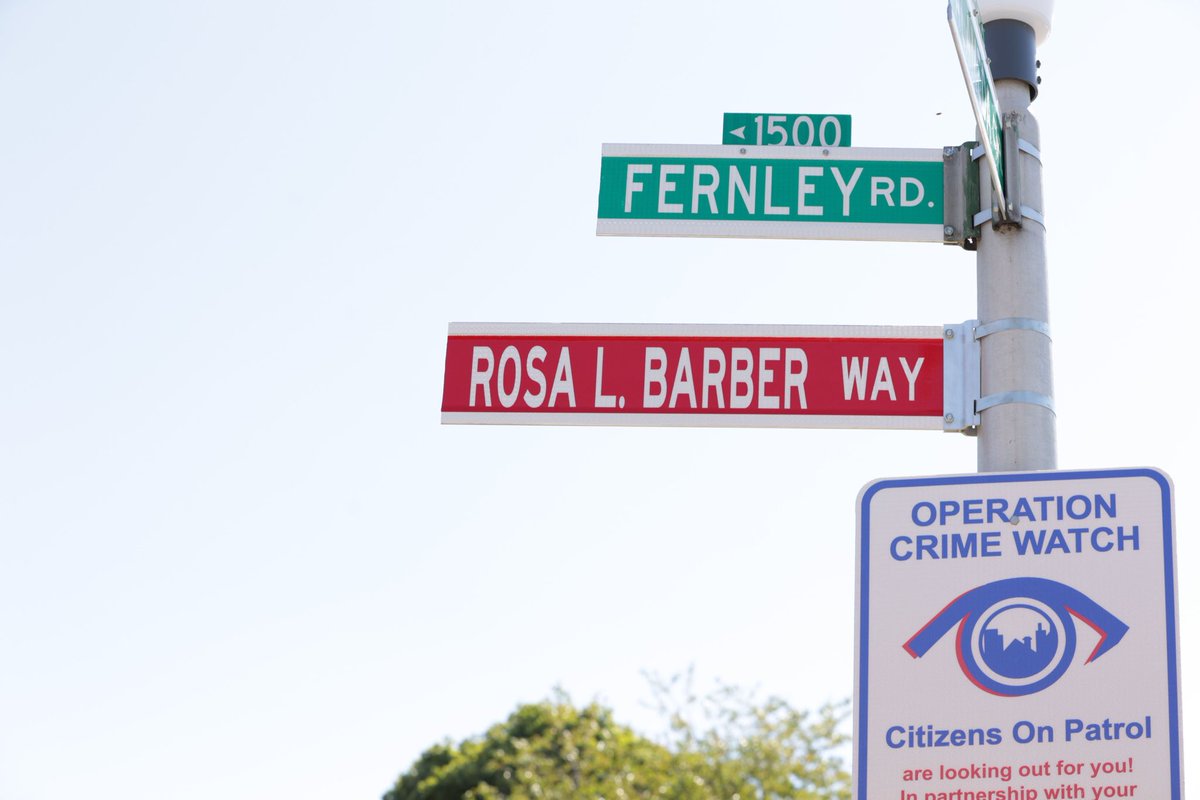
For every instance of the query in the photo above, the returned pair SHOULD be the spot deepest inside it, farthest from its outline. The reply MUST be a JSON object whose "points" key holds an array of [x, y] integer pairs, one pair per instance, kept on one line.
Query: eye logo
{"points": [[1016, 636]]}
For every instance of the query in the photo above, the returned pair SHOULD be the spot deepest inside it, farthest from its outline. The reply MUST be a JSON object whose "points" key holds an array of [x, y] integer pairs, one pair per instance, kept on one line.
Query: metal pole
{"points": [[1017, 418]]}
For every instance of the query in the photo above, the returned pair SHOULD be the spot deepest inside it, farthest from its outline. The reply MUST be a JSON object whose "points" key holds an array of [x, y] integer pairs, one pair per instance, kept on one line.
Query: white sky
{"points": [[239, 555]]}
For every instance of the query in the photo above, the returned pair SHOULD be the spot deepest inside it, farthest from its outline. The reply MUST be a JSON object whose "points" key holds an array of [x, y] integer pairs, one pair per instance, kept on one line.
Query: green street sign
{"points": [[866, 194], [797, 130], [967, 33]]}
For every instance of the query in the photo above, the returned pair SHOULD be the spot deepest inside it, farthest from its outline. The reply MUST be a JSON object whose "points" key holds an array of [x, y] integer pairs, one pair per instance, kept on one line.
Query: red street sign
{"points": [[802, 376]]}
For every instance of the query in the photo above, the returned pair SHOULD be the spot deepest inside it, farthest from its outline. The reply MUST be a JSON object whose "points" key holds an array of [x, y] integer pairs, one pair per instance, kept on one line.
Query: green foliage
{"points": [[740, 748], [546, 750], [724, 745]]}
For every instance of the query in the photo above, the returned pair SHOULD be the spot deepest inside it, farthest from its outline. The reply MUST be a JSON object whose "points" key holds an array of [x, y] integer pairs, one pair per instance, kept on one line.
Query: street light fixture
{"points": [[1034, 13], [1013, 30]]}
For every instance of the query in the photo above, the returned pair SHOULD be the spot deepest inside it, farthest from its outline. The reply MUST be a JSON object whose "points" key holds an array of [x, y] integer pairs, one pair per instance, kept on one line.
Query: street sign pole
{"points": [[1016, 405]]}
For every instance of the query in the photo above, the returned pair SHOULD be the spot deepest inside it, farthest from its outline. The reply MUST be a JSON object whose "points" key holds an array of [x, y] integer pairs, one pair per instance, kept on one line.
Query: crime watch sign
{"points": [[1017, 638]]}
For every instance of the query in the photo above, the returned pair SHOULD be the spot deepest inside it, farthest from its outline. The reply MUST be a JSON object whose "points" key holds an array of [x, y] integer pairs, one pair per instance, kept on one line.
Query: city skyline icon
{"points": [[1011, 648]]}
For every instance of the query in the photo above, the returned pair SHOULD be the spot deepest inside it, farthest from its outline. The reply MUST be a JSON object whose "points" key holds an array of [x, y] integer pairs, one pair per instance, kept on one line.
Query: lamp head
{"points": [[1034, 13]]}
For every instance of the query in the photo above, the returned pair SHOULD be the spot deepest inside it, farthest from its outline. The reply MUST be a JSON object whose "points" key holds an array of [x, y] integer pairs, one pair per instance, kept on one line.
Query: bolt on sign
{"points": [[871, 194], [698, 375], [1017, 638]]}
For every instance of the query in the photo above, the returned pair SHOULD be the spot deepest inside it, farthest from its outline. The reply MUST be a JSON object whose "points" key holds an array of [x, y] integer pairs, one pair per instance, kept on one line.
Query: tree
{"points": [[745, 749], [724, 745], [544, 750]]}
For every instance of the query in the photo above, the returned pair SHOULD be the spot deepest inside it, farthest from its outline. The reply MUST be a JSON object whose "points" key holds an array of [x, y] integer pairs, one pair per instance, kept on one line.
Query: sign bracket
{"points": [[961, 196], [1011, 146], [961, 387], [1015, 213]]}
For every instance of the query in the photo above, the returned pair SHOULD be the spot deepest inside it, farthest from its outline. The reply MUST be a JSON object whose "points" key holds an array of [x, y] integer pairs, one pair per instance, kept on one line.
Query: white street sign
{"points": [[1017, 638]]}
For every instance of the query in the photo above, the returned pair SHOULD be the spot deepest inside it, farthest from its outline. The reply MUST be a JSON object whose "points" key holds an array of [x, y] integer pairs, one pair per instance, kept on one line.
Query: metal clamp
{"points": [[1007, 398], [1012, 324], [982, 404], [1033, 215], [1026, 212], [1027, 147]]}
